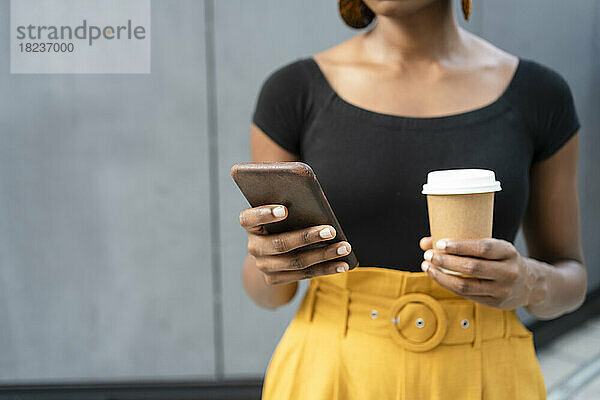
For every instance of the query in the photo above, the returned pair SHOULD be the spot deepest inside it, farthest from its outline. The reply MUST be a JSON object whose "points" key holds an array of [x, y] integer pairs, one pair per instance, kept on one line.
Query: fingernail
{"points": [[342, 268], [342, 250], [325, 233], [428, 255], [279, 211], [440, 244], [424, 266]]}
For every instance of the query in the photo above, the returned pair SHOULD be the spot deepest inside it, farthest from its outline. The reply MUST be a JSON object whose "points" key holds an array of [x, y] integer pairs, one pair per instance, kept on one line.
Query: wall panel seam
{"points": [[213, 165]]}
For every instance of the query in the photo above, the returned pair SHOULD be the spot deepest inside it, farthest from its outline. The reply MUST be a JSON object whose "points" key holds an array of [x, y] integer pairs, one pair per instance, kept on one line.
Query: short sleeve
{"points": [[556, 119], [282, 105]]}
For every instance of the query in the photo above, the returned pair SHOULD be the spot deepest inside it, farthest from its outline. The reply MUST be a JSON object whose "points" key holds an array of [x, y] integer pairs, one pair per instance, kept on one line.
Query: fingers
{"points": [[476, 267], [425, 243], [278, 243], [274, 252], [491, 249], [302, 259], [462, 286], [253, 218], [326, 268]]}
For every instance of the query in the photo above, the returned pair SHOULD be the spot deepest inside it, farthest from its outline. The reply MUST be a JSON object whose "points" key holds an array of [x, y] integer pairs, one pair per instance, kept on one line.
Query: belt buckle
{"points": [[437, 310]]}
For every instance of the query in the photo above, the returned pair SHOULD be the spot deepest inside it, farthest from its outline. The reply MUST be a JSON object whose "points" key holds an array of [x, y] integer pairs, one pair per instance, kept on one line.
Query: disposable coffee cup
{"points": [[460, 203]]}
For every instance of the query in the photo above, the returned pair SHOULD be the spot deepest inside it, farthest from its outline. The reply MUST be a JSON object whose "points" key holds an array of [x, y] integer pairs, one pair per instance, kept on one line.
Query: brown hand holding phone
{"points": [[292, 243]]}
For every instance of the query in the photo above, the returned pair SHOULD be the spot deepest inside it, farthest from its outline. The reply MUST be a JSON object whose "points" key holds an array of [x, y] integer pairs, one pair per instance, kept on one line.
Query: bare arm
{"points": [[552, 232]]}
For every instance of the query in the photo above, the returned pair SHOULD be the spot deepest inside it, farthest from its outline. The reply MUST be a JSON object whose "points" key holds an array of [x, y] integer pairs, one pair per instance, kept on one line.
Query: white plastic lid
{"points": [[461, 181]]}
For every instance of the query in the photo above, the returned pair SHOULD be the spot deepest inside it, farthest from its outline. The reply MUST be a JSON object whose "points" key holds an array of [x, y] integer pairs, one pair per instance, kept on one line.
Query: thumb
{"points": [[425, 243]]}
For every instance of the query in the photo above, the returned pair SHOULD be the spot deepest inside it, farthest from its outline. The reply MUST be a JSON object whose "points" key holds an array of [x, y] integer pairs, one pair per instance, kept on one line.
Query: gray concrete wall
{"points": [[104, 235], [106, 186]]}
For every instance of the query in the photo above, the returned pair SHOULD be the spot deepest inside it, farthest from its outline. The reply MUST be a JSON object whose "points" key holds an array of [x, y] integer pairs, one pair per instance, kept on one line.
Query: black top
{"points": [[372, 166]]}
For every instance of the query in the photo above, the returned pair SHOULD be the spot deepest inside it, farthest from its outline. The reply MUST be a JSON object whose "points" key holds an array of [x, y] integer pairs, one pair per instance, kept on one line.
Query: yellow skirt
{"points": [[378, 333]]}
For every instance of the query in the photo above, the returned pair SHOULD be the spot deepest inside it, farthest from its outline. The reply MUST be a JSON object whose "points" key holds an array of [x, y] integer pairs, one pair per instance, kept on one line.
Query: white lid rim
{"points": [[461, 190]]}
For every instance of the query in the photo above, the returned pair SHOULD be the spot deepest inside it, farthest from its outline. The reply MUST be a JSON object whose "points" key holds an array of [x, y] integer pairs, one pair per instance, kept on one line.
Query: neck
{"points": [[429, 34]]}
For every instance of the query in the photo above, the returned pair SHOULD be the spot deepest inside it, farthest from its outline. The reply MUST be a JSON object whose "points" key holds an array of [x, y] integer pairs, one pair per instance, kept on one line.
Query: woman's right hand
{"points": [[272, 251]]}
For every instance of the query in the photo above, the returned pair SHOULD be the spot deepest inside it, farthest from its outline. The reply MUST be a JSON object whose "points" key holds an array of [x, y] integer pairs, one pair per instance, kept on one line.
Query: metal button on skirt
{"points": [[379, 333]]}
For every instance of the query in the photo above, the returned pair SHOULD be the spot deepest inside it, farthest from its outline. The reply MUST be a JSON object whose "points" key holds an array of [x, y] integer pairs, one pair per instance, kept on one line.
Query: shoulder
{"points": [[284, 102], [292, 77], [341, 57], [540, 90], [546, 104], [530, 79], [344, 52], [541, 81], [300, 74], [485, 56], [540, 84], [541, 94]]}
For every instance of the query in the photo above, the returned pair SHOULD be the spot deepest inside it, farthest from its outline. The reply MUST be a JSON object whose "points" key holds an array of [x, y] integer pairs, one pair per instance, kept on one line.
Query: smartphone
{"points": [[294, 185]]}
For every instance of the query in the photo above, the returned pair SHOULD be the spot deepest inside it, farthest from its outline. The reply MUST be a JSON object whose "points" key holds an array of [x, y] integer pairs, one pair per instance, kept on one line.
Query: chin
{"points": [[398, 8]]}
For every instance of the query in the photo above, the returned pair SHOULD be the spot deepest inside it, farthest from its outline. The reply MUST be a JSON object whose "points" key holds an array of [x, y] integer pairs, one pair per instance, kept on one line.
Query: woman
{"points": [[372, 116]]}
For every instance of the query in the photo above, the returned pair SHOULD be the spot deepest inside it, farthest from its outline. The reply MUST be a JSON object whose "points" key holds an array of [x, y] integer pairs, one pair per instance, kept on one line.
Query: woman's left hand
{"points": [[500, 276]]}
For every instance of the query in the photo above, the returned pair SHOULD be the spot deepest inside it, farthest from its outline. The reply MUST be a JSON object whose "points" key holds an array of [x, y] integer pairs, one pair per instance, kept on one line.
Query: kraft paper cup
{"points": [[460, 203]]}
